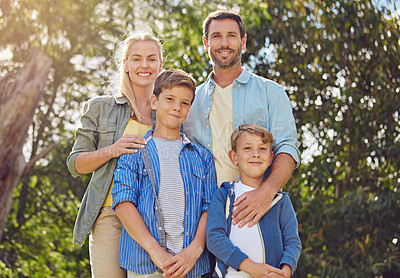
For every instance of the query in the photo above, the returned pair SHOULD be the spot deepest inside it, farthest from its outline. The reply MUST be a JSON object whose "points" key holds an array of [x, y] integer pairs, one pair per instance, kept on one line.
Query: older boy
{"points": [[272, 247], [184, 181]]}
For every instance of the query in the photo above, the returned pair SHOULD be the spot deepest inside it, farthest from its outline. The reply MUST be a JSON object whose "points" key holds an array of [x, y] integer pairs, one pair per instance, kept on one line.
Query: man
{"points": [[232, 96]]}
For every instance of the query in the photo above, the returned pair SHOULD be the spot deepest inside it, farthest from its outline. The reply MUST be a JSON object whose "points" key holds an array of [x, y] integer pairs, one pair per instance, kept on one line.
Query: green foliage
{"points": [[37, 241], [339, 63], [38, 236]]}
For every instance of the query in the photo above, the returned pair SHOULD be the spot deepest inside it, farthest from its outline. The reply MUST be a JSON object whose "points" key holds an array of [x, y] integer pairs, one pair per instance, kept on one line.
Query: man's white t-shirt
{"points": [[221, 123]]}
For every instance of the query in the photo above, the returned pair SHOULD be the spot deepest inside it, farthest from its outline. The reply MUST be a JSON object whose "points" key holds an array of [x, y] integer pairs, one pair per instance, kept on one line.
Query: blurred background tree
{"points": [[339, 62]]}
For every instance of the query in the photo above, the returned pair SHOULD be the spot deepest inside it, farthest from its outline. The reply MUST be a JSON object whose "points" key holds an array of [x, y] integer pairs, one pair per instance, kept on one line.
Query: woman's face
{"points": [[143, 63]]}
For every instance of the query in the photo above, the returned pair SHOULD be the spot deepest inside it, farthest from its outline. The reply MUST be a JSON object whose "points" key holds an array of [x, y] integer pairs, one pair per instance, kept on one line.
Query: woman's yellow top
{"points": [[133, 127]]}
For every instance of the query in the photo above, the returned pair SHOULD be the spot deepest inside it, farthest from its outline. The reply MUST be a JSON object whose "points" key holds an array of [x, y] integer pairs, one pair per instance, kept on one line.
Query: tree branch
{"points": [[43, 154]]}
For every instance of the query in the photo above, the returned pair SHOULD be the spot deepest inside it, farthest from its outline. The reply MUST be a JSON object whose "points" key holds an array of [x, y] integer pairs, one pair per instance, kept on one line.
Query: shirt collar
{"points": [[149, 135], [243, 78]]}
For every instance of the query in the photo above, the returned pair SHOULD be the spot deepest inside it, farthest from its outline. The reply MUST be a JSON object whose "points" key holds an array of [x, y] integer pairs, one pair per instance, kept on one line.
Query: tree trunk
{"points": [[19, 98]]}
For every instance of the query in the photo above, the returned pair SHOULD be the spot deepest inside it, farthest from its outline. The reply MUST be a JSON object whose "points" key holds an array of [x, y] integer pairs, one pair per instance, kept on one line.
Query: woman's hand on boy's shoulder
{"points": [[128, 143]]}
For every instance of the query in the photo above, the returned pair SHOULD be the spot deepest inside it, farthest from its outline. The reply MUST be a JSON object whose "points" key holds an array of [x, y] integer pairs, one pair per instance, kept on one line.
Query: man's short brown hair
{"points": [[174, 77], [266, 136], [223, 14]]}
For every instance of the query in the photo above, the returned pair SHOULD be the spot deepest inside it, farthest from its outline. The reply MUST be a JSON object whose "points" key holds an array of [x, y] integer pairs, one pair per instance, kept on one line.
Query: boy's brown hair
{"points": [[266, 136], [174, 77], [223, 14]]}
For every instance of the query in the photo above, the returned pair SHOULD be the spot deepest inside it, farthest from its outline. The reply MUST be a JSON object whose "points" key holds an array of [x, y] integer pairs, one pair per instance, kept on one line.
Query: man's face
{"points": [[224, 43]]}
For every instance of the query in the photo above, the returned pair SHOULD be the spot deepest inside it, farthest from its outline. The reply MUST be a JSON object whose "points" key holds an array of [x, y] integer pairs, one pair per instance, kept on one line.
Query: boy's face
{"points": [[172, 106], [252, 156]]}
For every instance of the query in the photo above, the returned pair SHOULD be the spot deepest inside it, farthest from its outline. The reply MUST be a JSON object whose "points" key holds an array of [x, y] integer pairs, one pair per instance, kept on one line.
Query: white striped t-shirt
{"points": [[171, 193]]}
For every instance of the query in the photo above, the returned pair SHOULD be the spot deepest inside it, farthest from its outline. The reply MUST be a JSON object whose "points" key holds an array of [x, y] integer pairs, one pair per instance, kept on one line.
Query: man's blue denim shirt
{"points": [[256, 100]]}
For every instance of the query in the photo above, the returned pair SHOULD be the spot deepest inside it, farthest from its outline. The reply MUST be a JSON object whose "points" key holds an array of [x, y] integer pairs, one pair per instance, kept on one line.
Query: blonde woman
{"points": [[112, 126]]}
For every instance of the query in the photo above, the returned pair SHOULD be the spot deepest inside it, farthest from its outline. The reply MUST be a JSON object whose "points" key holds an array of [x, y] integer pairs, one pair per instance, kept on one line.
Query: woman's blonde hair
{"points": [[124, 80]]}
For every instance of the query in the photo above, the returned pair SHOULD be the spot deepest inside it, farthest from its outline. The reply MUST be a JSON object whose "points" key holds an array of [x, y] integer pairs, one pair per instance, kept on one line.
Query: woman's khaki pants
{"points": [[104, 245]]}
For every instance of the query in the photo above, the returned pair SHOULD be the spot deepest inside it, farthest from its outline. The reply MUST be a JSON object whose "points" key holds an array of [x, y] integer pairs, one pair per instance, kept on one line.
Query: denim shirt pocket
{"points": [[145, 182], [198, 180], [106, 134]]}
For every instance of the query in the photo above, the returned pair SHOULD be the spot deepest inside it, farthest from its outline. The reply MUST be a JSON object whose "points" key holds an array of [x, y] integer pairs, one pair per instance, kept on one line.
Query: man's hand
{"points": [[251, 206]]}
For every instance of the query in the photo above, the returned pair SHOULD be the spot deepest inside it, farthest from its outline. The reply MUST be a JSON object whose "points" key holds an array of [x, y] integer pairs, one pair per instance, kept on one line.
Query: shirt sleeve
{"points": [[290, 235], [282, 123], [210, 181], [86, 135], [126, 184], [217, 240]]}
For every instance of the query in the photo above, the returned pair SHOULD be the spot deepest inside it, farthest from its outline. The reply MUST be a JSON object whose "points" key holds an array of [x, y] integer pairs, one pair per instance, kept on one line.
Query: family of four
{"points": [[152, 207]]}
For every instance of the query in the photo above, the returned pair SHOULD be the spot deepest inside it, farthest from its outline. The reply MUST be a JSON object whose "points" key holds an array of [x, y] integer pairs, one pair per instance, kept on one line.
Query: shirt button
{"points": [[208, 108], [208, 145], [208, 126]]}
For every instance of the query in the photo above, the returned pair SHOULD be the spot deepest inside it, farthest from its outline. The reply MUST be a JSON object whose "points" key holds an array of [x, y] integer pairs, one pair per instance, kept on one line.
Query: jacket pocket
{"points": [[106, 134]]}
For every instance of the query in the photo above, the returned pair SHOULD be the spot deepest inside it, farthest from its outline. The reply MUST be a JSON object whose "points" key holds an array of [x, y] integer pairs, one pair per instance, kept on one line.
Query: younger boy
{"points": [[273, 245], [184, 182]]}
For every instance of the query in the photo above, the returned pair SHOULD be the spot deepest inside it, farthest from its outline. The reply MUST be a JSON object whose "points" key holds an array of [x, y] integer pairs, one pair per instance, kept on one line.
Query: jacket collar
{"points": [[119, 98], [228, 184]]}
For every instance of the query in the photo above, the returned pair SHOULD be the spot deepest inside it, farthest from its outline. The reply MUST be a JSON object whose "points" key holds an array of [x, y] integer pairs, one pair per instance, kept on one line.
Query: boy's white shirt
{"points": [[171, 192], [249, 240]]}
